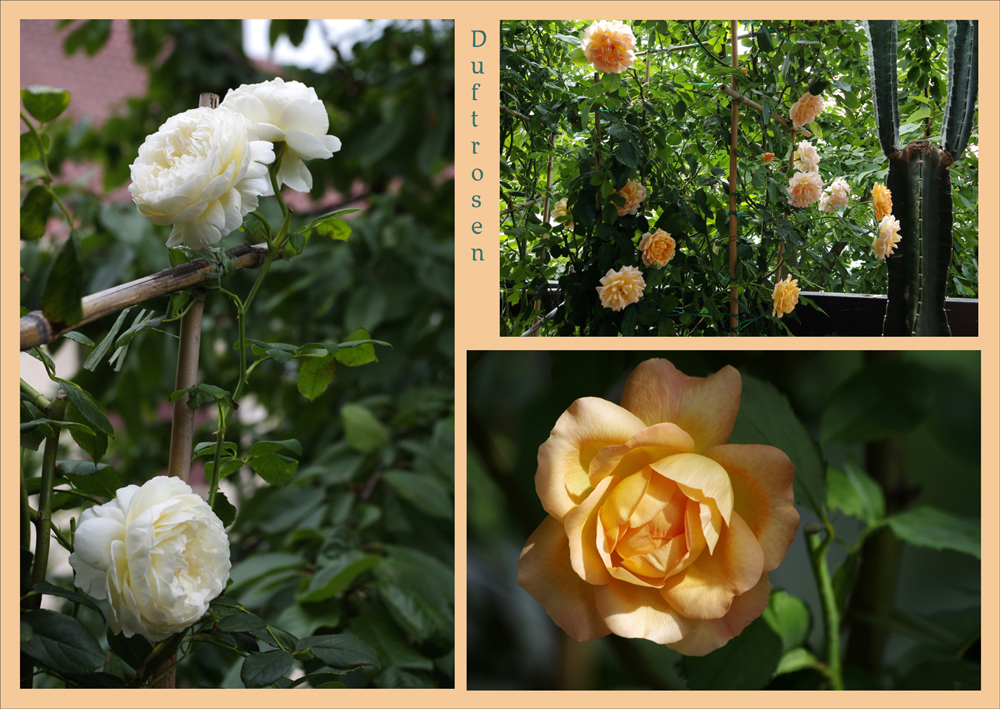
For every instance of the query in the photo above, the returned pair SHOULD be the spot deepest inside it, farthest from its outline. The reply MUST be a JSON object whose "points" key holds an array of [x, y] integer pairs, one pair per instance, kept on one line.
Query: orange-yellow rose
{"points": [[881, 201], [619, 289], [805, 110], [657, 528], [657, 248], [633, 193], [785, 296], [888, 237], [608, 46], [767, 157]]}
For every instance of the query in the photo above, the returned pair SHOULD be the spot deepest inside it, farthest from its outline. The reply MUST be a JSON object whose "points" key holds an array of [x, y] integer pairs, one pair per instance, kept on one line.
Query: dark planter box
{"points": [[850, 315]]}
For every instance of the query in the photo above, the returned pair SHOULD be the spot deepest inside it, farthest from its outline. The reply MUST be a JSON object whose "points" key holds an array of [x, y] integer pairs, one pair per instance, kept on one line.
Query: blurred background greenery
{"points": [[515, 399], [390, 95]]}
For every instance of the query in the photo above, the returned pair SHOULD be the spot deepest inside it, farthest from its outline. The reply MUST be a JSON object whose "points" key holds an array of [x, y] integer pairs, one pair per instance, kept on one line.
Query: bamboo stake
{"points": [[182, 425], [546, 212], [733, 290], [37, 330], [732, 92]]}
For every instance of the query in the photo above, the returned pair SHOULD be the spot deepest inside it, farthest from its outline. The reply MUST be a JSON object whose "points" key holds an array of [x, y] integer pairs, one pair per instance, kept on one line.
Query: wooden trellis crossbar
{"points": [[733, 93], [37, 330]]}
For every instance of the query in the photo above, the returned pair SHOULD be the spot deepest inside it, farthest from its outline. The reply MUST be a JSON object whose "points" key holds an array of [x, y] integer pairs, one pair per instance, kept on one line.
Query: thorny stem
{"points": [[56, 411]]}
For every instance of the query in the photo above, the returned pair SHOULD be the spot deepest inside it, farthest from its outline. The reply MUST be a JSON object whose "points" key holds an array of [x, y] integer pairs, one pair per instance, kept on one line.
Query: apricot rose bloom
{"points": [[633, 193], [806, 158], [657, 528], [609, 46], [881, 201], [840, 193], [805, 110], [619, 289], [657, 248], [888, 236], [561, 209], [767, 157], [804, 188], [785, 296]]}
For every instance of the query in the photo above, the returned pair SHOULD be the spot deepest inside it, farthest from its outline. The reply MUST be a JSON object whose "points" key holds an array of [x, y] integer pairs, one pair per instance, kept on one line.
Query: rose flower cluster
{"points": [[204, 169]]}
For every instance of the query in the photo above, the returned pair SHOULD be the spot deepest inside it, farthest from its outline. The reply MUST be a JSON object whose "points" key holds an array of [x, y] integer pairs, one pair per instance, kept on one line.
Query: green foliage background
{"points": [[672, 134], [831, 412], [361, 540]]}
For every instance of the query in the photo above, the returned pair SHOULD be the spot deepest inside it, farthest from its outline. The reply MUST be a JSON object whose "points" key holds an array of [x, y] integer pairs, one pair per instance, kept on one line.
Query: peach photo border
{"points": [[477, 327]]}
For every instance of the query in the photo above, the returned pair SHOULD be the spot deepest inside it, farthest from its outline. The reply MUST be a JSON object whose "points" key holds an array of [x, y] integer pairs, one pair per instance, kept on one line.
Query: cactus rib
{"points": [[882, 67], [963, 85]]}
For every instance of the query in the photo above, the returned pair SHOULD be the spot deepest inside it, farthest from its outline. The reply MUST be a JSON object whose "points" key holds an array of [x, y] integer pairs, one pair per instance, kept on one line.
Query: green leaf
{"points": [[883, 399], [35, 209], [262, 668], [62, 298], [304, 619], [275, 469], [45, 103], [132, 651], [101, 350], [261, 448], [363, 430], [748, 661], [240, 622], [61, 643], [354, 355], [202, 394], [227, 467], [316, 374], [789, 617], [427, 494], [222, 507], [79, 337], [50, 589], [260, 565], [99, 480], [795, 660], [389, 641], [935, 529], [330, 227], [855, 493], [341, 653], [88, 407], [766, 417], [336, 576], [95, 443], [29, 147]]}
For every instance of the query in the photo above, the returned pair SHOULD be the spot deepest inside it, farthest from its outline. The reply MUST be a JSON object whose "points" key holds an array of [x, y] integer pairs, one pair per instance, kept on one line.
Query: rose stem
{"points": [[831, 615], [182, 426]]}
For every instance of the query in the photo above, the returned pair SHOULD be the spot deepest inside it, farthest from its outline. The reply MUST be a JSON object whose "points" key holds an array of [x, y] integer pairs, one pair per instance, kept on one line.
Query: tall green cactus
{"points": [[920, 178]]}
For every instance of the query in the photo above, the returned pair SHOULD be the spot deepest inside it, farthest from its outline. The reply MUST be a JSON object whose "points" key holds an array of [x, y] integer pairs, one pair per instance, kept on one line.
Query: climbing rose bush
{"points": [[202, 172], [157, 553], [888, 237], [621, 288], [633, 193], [287, 112], [804, 188], [785, 296], [657, 248], [609, 46], [805, 110], [658, 529]]}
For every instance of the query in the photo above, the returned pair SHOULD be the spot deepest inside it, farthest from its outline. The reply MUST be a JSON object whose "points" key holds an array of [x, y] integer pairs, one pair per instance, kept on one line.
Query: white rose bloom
{"points": [[202, 173], [157, 553], [291, 112]]}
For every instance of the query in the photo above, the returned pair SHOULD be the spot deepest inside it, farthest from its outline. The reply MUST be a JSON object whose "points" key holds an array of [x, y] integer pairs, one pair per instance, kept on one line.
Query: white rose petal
{"points": [[291, 112], [157, 553], [202, 173]]}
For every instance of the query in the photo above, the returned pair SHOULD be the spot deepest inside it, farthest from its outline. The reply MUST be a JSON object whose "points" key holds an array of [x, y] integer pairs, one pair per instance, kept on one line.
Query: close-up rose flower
{"points": [[621, 288], [658, 529], [289, 112], [609, 46], [805, 110], [157, 553], [888, 236], [657, 248], [202, 172], [806, 159], [785, 296], [824, 203], [561, 209], [804, 188], [840, 193], [634, 193], [881, 201]]}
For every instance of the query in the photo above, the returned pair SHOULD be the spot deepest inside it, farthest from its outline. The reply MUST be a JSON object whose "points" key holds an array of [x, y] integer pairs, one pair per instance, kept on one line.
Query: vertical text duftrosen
{"points": [[478, 41]]}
